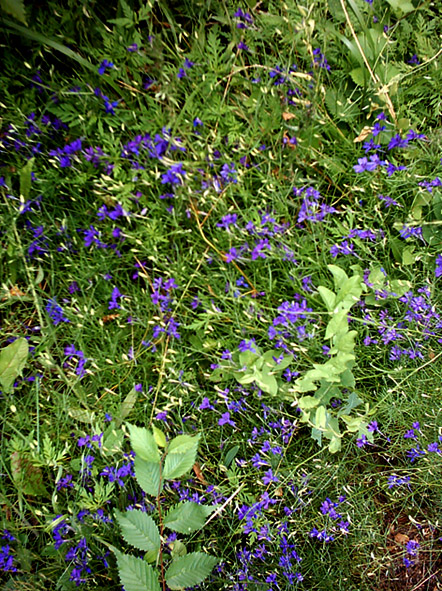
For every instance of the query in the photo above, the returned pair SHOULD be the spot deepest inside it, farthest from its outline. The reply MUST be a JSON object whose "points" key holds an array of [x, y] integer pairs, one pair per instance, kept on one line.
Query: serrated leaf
{"points": [[135, 574], [12, 361], [143, 443], [187, 517], [148, 476], [359, 76], [139, 529], [178, 549], [181, 456], [15, 8], [189, 570]]}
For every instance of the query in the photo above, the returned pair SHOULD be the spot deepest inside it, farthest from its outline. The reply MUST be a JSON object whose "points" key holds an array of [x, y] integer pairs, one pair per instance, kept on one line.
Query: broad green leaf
{"points": [[148, 476], [135, 574], [307, 402], [12, 361], [334, 445], [181, 456], [15, 8], [26, 178], [178, 549], [328, 297], [349, 292], [400, 287], [189, 570], [408, 256], [27, 478], [183, 443], [353, 402], [187, 517], [143, 443], [344, 342], [139, 529], [244, 378], [268, 383], [160, 438], [338, 323], [320, 417], [348, 379], [339, 275], [377, 278]]}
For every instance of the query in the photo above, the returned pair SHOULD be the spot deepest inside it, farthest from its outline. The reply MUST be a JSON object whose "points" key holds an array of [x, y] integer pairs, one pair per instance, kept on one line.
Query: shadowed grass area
{"points": [[221, 220]]}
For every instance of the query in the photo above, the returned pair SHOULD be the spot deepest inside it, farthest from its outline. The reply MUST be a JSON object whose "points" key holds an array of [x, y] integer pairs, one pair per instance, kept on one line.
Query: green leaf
{"points": [[268, 383], [148, 476], [12, 361], [328, 297], [160, 438], [26, 178], [308, 402], [178, 549], [339, 275], [126, 406], [337, 324], [15, 8], [408, 256], [143, 443], [187, 517], [359, 76], [181, 456], [189, 570], [135, 574], [139, 529], [400, 287], [334, 445], [320, 420], [27, 478]]}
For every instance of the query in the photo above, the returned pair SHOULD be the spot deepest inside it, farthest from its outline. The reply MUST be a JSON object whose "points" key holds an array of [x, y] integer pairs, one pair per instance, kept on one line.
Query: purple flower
{"points": [[269, 477], [226, 420], [105, 64]]}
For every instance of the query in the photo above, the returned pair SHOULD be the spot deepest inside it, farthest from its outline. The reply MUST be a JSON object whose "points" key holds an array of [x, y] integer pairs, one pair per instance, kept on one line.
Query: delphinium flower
{"points": [[311, 208], [438, 269], [388, 201], [320, 60], [55, 312], [116, 295], [7, 559], [344, 249], [109, 106], [105, 65], [395, 480], [78, 357], [244, 19], [182, 72], [174, 175], [412, 548], [228, 173], [368, 164]]}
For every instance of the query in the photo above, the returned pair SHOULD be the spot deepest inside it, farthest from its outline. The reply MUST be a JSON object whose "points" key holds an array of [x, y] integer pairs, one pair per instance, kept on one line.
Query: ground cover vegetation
{"points": [[221, 255]]}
